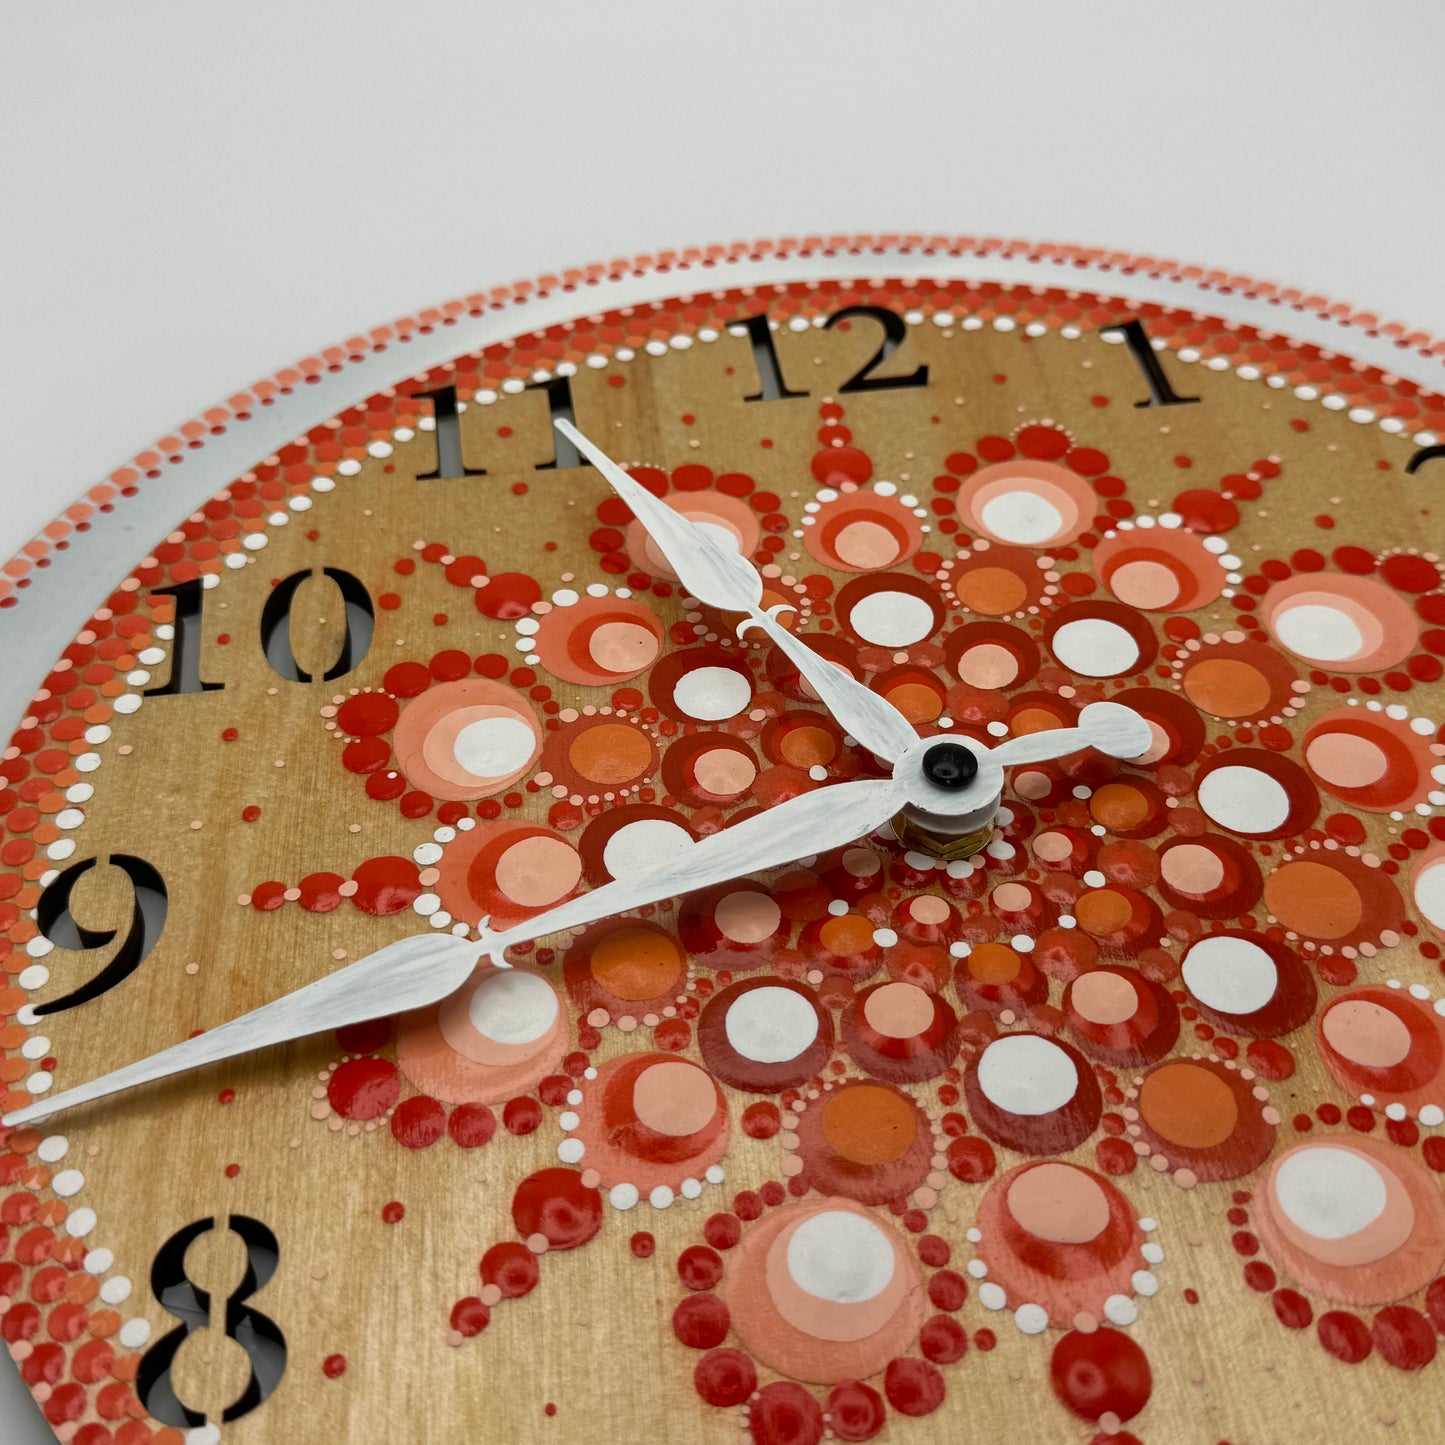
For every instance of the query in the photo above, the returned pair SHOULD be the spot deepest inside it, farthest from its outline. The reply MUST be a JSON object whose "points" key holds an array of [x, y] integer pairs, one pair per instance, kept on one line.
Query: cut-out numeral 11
{"points": [[1161, 393], [448, 431]]}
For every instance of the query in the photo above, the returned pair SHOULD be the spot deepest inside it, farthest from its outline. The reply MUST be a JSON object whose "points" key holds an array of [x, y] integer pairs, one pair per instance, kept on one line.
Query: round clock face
{"points": [[1127, 1127]]}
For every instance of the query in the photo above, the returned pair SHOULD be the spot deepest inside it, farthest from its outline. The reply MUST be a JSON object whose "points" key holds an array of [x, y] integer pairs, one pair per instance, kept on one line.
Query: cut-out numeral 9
{"points": [[257, 1334], [147, 920], [772, 387]]}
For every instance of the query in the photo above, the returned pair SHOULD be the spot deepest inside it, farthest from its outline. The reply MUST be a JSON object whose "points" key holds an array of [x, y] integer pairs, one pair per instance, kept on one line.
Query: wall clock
{"points": [[1054, 1083]]}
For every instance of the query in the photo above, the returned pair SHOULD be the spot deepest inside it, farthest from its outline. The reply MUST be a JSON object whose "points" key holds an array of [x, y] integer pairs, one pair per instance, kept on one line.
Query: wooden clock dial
{"points": [[1129, 1128]]}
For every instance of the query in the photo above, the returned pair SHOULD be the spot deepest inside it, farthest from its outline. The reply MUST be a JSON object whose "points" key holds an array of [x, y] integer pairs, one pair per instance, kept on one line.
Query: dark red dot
{"points": [[471, 1125], [364, 1088], [393, 1213], [642, 1244], [470, 1316], [699, 1267], [785, 1414], [333, 1366], [556, 1204], [1101, 1371], [726, 1377], [512, 1267], [1404, 1337], [521, 1115], [1344, 1335], [913, 1386], [418, 1122], [700, 1321], [855, 1410]]}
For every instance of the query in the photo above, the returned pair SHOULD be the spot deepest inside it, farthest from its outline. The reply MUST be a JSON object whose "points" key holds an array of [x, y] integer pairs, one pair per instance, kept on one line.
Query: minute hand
{"points": [[728, 581], [812, 823]]}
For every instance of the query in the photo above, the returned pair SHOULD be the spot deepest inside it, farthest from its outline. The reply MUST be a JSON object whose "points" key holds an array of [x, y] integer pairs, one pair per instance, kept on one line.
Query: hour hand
{"points": [[728, 581]]}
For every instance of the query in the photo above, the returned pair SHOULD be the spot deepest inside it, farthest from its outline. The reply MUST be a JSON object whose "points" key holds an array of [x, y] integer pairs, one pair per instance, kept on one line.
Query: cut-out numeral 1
{"points": [[1161, 393], [559, 406], [148, 918], [772, 387], [258, 1335], [448, 434], [276, 626], [1425, 454], [186, 645]]}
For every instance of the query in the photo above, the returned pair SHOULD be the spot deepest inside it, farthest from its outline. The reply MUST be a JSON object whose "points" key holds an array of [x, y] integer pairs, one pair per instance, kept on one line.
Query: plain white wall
{"points": [[194, 195]]}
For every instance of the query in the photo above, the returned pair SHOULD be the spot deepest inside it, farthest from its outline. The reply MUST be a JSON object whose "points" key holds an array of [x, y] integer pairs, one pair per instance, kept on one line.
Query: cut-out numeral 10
{"points": [[448, 430], [772, 387], [148, 919], [1161, 393], [185, 678], [258, 1335]]}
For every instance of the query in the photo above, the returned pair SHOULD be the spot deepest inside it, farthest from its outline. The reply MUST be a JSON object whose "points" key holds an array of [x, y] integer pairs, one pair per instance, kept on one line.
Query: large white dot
{"points": [[1023, 517], [1231, 975], [770, 1025], [492, 746], [646, 844], [892, 619], [513, 1007], [1026, 1074], [1244, 800], [1330, 1193], [711, 694], [841, 1257], [1093, 647], [1319, 633], [1430, 893]]}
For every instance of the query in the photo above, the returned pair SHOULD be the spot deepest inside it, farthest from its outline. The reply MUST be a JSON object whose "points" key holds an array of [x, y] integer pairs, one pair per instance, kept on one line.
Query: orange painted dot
{"points": [[847, 935], [1188, 1105], [1314, 899], [994, 963], [610, 753], [1117, 805], [1102, 912], [1033, 720], [870, 1124], [636, 964], [1226, 687], [917, 703], [808, 747], [992, 591]]}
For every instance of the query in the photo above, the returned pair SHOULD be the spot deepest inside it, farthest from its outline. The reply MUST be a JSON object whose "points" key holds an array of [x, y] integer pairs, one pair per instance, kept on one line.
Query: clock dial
{"points": [[1127, 1127]]}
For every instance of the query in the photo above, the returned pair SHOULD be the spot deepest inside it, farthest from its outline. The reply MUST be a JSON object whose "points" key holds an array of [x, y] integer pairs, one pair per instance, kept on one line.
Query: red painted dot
{"points": [[701, 1321], [333, 1366], [726, 1377], [1099, 1372], [470, 1316], [855, 1410], [364, 1088], [393, 1213], [785, 1414], [512, 1267], [643, 1245], [1344, 1335], [913, 1387], [418, 1122]]}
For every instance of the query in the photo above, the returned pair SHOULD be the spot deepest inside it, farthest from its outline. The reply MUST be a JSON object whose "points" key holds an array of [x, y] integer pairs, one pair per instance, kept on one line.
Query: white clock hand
{"points": [[408, 974], [1110, 727], [415, 972], [811, 823], [728, 581]]}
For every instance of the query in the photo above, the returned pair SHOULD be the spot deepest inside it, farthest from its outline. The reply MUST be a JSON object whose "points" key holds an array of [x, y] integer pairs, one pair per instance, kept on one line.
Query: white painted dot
{"points": [[712, 694], [513, 1007], [1094, 647], [98, 1261], [991, 1296], [645, 845], [570, 1151], [134, 1333], [1031, 1319], [1023, 516], [661, 1197], [770, 1025], [1318, 633], [841, 1257], [1027, 1074], [494, 746], [1430, 893], [1231, 975], [116, 1291], [1329, 1193], [53, 1148], [1119, 1309], [892, 619], [79, 1223], [68, 1182], [1244, 799], [624, 1196]]}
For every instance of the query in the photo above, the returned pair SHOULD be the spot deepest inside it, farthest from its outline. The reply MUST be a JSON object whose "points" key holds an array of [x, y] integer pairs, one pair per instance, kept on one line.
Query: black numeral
{"points": [[1137, 340], [148, 918], [771, 386], [1425, 454], [258, 1335], [559, 405], [894, 335], [186, 645], [448, 436], [276, 626]]}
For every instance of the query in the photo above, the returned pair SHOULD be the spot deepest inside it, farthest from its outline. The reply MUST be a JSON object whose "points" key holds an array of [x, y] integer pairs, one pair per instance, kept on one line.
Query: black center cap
{"points": [[950, 765]]}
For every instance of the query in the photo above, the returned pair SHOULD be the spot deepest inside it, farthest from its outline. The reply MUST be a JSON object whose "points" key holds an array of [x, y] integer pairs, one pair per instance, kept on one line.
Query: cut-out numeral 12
{"points": [[258, 1335], [1161, 393], [148, 918], [772, 387]]}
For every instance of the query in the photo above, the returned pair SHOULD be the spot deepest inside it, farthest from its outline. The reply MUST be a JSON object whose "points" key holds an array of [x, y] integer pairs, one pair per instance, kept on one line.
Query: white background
{"points": [[194, 195]]}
